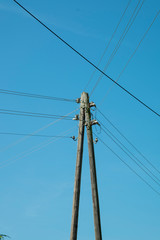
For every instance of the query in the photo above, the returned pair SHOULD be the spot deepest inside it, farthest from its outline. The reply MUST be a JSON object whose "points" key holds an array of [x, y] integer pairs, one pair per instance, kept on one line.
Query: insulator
{"points": [[76, 117]]}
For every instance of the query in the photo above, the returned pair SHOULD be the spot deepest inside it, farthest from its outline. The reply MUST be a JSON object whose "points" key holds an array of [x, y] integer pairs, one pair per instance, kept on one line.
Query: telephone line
{"points": [[37, 131], [32, 114], [145, 34], [137, 161], [87, 60], [122, 135], [112, 135], [113, 34], [32, 150], [36, 135], [138, 175], [132, 55], [33, 95], [122, 37]]}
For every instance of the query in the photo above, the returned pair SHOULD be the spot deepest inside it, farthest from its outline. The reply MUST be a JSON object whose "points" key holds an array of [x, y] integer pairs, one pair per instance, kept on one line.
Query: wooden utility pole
{"points": [[85, 117], [95, 199], [77, 184]]}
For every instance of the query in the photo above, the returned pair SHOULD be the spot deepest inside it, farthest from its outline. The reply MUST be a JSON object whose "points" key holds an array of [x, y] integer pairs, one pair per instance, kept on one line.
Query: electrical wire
{"points": [[127, 149], [112, 36], [138, 175], [32, 150], [36, 135], [130, 143], [132, 55], [31, 95], [35, 132], [132, 156], [87, 60], [119, 43], [32, 114]]}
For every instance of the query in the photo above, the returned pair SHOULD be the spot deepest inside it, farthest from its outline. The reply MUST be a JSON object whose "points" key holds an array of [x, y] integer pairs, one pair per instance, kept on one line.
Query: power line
{"points": [[36, 135], [82, 56], [122, 37], [137, 161], [145, 34], [31, 95], [32, 150], [126, 149], [114, 32], [32, 114], [36, 131], [131, 144], [149, 185], [140, 42]]}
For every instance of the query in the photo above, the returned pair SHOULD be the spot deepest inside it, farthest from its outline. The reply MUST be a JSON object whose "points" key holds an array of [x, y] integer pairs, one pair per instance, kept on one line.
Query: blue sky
{"points": [[36, 191]]}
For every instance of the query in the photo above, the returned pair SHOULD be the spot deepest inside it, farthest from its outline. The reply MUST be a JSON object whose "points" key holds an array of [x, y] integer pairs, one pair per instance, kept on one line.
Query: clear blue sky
{"points": [[36, 192]]}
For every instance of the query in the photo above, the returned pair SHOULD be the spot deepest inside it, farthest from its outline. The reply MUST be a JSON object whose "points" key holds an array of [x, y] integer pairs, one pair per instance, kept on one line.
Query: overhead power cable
{"points": [[36, 131], [31, 95], [140, 42], [32, 150], [32, 114], [138, 175], [130, 143], [82, 56], [132, 157], [145, 34], [111, 136], [36, 135], [119, 43], [114, 32]]}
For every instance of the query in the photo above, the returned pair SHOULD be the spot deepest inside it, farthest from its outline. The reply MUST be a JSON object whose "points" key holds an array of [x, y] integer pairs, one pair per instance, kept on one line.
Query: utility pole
{"points": [[95, 199], [77, 184], [85, 117]]}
